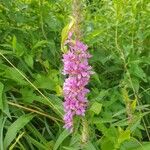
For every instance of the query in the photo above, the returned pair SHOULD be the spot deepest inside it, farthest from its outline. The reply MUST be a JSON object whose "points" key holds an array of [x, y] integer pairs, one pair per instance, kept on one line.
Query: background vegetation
{"points": [[118, 35]]}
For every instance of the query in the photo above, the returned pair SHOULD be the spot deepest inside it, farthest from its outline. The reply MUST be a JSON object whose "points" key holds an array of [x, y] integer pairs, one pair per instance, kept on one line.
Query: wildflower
{"points": [[77, 69]]}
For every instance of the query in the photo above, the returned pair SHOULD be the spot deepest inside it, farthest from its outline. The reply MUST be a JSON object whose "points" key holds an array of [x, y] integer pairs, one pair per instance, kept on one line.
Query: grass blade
{"points": [[15, 127], [60, 139]]}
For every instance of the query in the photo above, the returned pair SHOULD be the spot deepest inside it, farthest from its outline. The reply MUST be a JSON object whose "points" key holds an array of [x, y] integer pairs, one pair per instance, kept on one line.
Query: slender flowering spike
{"points": [[77, 69]]}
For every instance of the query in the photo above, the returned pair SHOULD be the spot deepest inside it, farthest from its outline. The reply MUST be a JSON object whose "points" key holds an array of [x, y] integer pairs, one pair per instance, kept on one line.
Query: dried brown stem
{"points": [[76, 8]]}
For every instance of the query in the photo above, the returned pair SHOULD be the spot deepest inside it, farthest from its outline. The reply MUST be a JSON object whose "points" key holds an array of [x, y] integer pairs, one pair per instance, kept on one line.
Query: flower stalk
{"points": [[77, 71]]}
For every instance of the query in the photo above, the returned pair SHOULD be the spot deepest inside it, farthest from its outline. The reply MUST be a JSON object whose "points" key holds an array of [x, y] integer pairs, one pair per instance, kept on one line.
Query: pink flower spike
{"points": [[77, 69]]}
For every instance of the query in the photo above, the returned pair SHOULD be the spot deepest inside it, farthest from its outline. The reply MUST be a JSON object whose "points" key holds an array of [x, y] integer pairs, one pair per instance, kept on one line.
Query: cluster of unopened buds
{"points": [[77, 71]]}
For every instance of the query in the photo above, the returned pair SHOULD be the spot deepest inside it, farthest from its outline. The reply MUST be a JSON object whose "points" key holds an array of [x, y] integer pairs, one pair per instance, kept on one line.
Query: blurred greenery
{"points": [[118, 35]]}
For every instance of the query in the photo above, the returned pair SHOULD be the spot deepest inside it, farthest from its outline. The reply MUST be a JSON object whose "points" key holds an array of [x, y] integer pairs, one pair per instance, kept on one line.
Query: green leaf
{"points": [[133, 144], [52, 47], [123, 135], [40, 44], [106, 144], [133, 105], [89, 146], [65, 32], [3, 101], [1, 95], [135, 123], [144, 146], [125, 95], [28, 95], [2, 123], [69, 148], [59, 90], [29, 60], [119, 112], [18, 48], [138, 72], [35, 132], [14, 43], [15, 128], [136, 84], [12, 74], [36, 143], [60, 139], [101, 95], [96, 107], [5, 106], [44, 82]]}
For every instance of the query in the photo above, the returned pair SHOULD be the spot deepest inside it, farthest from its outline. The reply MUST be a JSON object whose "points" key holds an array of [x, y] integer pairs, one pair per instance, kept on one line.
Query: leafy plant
{"points": [[32, 34]]}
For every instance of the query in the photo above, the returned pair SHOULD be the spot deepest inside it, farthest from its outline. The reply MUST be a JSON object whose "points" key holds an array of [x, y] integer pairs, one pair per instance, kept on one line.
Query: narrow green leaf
{"points": [[5, 106], [36, 143], [3, 101], [133, 105], [18, 47], [69, 148], [65, 32], [1, 95], [36, 133], [14, 42], [2, 123], [15, 128], [60, 139]]}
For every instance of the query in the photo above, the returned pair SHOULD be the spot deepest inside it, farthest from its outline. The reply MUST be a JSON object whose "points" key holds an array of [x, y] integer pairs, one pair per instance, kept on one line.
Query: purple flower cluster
{"points": [[77, 69]]}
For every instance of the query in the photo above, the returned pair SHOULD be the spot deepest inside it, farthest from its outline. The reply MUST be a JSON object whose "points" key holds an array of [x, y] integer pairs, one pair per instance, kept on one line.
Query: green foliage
{"points": [[96, 107], [32, 36], [14, 128], [60, 139], [1, 95], [65, 32]]}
